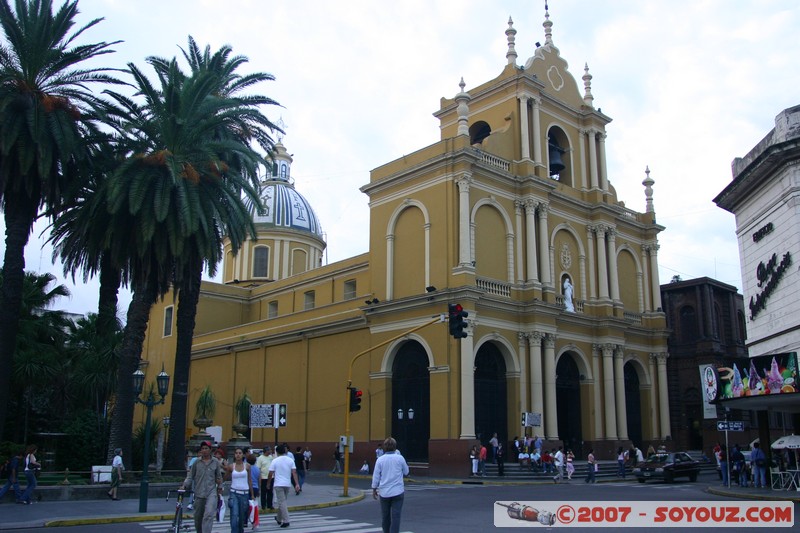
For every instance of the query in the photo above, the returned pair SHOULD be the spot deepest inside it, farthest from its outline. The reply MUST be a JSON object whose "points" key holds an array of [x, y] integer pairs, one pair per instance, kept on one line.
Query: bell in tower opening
{"points": [[554, 152]]}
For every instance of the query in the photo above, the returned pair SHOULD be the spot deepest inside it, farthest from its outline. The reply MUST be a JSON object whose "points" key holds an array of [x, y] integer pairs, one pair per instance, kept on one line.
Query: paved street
{"points": [[450, 506]]}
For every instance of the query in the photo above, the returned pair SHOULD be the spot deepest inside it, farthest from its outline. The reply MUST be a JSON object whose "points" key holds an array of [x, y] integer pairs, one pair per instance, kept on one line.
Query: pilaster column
{"points": [[597, 410], [530, 237], [663, 393], [640, 291], [464, 252], [601, 139], [522, 339], [612, 263], [608, 391], [544, 245], [646, 280], [518, 207], [654, 411], [582, 268], [551, 418], [592, 158], [602, 271], [654, 276], [537, 132], [537, 391], [619, 386], [390, 267], [523, 127], [590, 247], [583, 176], [467, 385]]}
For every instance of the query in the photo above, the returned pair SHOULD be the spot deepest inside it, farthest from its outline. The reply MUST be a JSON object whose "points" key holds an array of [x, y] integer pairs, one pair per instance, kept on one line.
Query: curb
{"points": [[88, 521], [770, 495]]}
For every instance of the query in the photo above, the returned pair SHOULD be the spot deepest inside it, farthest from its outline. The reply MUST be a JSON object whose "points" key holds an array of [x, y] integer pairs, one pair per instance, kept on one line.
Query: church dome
{"points": [[283, 206]]}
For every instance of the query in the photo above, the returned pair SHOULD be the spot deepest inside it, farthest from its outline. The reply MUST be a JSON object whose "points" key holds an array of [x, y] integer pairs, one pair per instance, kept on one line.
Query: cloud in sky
{"points": [[689, 85]]}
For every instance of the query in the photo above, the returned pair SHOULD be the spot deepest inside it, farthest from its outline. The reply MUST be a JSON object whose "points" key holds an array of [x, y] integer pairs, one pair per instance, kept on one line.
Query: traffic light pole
{"points": [[439, 318]]}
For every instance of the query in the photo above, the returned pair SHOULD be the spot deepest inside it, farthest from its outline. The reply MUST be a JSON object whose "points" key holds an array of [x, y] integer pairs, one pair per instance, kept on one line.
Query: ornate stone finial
{"points": [[648, 191], [587, 86], [548, 27], [282, 125], [511, 55], [462, 99]]}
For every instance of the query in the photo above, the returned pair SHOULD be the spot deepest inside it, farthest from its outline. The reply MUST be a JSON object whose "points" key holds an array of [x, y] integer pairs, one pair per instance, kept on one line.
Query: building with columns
{"points": [[513, 215]]}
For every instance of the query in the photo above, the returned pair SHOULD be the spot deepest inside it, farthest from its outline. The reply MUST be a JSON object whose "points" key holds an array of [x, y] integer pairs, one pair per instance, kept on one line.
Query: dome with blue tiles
{"points": [[282, 206]]}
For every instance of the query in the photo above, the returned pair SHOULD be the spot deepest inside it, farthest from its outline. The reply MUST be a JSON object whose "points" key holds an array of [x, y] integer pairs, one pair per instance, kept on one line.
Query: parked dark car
{"points": [[667, 466]]}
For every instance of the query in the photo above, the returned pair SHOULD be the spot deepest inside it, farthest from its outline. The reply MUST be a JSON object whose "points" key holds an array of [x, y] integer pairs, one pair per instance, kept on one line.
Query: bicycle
{"points": [[177, 522]]}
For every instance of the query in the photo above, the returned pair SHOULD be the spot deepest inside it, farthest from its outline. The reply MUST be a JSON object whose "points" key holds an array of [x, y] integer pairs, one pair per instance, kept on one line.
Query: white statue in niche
{"points": [[570, 308]]}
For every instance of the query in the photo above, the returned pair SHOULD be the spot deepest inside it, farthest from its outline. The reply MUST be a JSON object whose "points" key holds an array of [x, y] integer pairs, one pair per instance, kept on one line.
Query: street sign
{"points": [[262, 415], [730, 425], [281, 409], [531, 420]]}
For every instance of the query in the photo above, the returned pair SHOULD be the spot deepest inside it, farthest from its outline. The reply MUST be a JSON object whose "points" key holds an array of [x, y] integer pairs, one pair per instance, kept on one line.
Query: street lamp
{"points": [[162, 382]]}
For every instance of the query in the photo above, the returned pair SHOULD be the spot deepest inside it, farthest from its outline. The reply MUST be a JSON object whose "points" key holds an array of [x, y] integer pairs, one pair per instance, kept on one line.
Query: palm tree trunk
{"points": [[19, 217], [110, 280], [187, 311], [121, 433]]}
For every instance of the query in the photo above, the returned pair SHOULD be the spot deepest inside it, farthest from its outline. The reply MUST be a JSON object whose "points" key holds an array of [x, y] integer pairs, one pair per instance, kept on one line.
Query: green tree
{"points": [[45, 119], [189, 173], [230, 141]]}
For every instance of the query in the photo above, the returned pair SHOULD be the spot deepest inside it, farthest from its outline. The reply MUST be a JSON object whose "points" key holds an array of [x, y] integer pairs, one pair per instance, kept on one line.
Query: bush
{"points": [[85, 444]]}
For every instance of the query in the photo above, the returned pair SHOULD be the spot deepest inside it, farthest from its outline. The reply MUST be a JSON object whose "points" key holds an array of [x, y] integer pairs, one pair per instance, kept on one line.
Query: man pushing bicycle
{"points": [[206, 474]]}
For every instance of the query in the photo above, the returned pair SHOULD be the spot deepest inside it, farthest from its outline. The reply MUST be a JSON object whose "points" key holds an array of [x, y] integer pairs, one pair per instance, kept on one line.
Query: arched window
{"points": [[284, 170], [688, 321], [260, 262], [478, 132]]}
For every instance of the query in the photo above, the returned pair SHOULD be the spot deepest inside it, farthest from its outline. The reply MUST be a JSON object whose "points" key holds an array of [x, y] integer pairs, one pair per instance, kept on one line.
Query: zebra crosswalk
{"points": [[413, 487], [301, 523]]}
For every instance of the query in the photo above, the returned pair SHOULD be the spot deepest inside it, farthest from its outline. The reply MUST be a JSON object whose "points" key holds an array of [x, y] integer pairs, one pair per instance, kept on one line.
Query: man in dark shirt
{"points": [[13, 476]]}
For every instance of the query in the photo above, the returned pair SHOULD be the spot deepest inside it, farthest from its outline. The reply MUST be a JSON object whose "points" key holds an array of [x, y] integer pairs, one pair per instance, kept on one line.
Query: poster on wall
{"points": [[710, 381], [759, 376]]}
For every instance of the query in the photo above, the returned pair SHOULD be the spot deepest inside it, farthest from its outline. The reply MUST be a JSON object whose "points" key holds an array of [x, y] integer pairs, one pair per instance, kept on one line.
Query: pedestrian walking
{"points": [[482, 460], [13, 475], [206, 476], [282, 472], [558, 460], [263, 462], [300, 465], [241, 491], [474, 461], [31, 466], [117, 467], [387, 484], [621, 455], [758, 460], [500, 458], [592, 464], [570, 464], [337, 460]]}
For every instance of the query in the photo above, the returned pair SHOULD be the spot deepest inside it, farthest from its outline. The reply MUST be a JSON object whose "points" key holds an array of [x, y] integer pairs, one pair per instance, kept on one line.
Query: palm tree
{"points": [[246, 124], [44, 104], [40, 370], [189, 163]]}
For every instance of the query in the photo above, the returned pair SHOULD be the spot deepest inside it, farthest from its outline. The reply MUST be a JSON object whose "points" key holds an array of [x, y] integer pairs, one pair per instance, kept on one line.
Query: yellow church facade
{"points": [[513, 215]]}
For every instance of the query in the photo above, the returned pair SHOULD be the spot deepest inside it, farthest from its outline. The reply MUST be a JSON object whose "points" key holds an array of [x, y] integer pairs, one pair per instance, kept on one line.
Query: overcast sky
{"points": [[689, 85]]}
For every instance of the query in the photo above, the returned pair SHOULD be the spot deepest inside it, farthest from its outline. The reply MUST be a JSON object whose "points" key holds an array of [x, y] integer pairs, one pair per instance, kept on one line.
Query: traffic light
{"points": [[457, 322], [355, 399]]}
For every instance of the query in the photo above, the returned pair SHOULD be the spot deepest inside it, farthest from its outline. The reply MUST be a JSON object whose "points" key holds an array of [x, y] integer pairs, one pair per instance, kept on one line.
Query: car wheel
{"points": [[668, 478], [641, 480], [693, 477]]}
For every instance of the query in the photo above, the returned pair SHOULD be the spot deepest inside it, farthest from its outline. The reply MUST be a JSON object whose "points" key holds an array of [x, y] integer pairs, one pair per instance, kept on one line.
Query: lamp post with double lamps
{"points": [[162, 382]]}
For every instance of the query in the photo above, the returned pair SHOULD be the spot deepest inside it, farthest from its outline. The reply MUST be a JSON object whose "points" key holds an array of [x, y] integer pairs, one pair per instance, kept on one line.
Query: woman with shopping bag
{"points": [[241, 492]]}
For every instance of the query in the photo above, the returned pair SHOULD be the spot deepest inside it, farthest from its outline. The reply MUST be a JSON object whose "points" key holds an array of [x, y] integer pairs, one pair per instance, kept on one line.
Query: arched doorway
{"points": [[568, 404], [633, 404], [491, 402], [411, 401]]}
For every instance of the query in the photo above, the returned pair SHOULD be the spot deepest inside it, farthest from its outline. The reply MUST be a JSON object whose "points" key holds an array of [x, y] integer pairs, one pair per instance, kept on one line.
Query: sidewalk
{"points": [[82, 512]]}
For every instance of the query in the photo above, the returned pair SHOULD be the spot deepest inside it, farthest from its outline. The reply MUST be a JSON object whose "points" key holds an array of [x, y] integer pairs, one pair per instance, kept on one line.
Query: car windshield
{"points": [[658, 458]]}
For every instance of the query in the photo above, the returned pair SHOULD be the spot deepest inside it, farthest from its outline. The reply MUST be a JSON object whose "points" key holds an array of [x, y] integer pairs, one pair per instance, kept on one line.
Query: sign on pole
{"points": [[730, 425], [531, 419], [281, 418], [262, 415]]}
